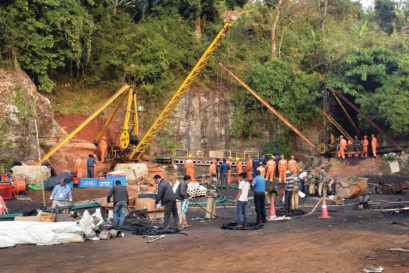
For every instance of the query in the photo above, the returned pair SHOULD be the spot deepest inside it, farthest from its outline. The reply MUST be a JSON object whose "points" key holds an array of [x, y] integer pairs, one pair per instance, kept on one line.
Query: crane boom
{"points": [[184, 87]]}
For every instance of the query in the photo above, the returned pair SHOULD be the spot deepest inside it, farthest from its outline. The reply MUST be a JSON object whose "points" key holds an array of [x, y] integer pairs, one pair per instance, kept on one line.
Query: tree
{"points": [[45, 36], [288, 89], [385, 15]]}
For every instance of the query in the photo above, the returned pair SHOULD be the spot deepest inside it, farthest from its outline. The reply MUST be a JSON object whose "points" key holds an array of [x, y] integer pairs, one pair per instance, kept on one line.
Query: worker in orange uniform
{"points": [[342, 147], [190, 168], [282, 169], [213, 168], [79, 167], [249, 168], [365, 144], [229, 172], [374, 144], [293, 166], [239, 168], [261, 169], [103, 147], [271, 168]]}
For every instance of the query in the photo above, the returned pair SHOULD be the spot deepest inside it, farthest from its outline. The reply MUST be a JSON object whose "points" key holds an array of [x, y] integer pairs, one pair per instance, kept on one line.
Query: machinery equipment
{"points": [[132, 148]]}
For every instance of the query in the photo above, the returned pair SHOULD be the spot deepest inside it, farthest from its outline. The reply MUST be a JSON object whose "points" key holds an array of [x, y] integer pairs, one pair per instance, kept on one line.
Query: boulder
{"points": [[33, 174], [133, 171]]}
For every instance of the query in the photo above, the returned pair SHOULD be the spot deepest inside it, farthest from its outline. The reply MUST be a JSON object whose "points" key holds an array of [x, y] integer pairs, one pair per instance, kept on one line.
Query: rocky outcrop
{"points": [[20, 104]]}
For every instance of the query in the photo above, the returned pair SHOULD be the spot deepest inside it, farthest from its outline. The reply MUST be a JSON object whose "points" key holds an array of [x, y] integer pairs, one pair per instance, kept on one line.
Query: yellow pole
{"points": [[111, 116], [82, 125], [183, 88]]}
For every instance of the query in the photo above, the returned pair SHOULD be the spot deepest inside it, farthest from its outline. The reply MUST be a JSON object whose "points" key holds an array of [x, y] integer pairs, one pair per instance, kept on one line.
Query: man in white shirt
{"points": [[242, 201]]}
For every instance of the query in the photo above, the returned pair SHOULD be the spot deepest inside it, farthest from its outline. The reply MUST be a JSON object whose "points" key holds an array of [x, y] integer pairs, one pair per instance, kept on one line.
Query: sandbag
{"points": [[52, 181]]}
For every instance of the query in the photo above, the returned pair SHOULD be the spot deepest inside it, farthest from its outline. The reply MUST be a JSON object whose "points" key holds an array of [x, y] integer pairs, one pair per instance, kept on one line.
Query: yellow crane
{"points": [[129, 136]]}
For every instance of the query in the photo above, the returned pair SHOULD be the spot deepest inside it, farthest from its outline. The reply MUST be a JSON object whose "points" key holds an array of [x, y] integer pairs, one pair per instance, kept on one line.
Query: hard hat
{"points": [[189, 156], [300, 170], [237, 159], [289, 173], [292, 157], [260, 163], [229, 157]]}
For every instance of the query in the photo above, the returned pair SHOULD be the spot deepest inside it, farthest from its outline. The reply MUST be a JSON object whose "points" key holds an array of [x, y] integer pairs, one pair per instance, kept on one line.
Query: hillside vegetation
{"points": [[288, 51]]}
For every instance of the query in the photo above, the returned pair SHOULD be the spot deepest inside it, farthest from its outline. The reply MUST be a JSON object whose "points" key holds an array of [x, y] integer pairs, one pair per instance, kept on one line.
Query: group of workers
{"points": [[91, 162], [356, 146], [276, 166]]}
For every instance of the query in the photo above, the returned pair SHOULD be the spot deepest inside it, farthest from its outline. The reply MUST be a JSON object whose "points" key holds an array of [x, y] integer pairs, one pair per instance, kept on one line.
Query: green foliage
{"points": [[22, 101], [378, 79], [47, 35], [385, 15], [3, 131], [291, 91], [167, 142], [278, 145]]}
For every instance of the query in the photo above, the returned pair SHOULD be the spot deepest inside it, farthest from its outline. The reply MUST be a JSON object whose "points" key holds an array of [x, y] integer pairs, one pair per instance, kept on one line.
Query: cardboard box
{"points": [[36, 218], [48, 217]]}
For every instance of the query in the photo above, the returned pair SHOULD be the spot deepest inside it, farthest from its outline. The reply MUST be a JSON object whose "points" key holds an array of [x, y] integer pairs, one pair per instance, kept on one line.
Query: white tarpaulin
{"points": [[44, 233]]}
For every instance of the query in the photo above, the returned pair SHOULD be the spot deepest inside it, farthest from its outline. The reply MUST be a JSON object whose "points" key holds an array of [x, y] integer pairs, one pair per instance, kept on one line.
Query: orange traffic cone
{"points": [[272, 208], [324, 210]]}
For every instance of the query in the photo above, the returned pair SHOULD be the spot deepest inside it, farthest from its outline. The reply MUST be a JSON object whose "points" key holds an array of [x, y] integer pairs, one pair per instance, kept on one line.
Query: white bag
{"points": [[301, 194]]}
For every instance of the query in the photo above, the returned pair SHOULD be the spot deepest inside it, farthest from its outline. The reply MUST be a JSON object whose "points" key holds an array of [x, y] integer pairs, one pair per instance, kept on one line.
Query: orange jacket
{"points": [[189, 164], [349, 142], [282, 165], [343, 143], [78, 167], [249, 166], [103, 146], [374, 142], [292, 165], [262, 170], [366, 143], [212, 169], [271, 164], [239, 167]]}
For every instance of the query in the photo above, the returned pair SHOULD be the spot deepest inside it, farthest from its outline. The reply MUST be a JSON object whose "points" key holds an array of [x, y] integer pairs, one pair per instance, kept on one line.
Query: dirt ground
{"points": [[349, 241]]}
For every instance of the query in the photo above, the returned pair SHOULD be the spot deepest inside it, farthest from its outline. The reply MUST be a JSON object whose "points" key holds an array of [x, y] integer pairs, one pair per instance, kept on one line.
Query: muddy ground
{"points": [[351, 240]]}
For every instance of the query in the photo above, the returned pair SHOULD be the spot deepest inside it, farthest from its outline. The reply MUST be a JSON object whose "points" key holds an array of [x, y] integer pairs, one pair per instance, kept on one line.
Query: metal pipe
{"points": [[271, 108], [347, 115], [334, 91]]}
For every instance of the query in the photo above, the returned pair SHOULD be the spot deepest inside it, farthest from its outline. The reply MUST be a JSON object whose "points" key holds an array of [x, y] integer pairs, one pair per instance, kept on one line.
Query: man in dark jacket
{"points": [[167, 198], [224, 172], [90, 166], [121, 201], [181, 198]]}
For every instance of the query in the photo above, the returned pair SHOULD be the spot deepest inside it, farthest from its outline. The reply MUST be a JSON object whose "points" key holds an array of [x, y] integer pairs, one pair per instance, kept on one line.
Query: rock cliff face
{"points": [[20, 104], [203, 120]]}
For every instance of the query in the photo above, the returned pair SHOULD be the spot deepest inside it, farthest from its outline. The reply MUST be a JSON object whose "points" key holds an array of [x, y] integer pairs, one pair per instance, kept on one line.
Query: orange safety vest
{"points": [[271, 164], [343, 143], [292, 165], [189, 164], [262, 170], [212, 169], [239, 167], [249, 166], [79, 167], [374, 141], [282, 165], [366, 143]]}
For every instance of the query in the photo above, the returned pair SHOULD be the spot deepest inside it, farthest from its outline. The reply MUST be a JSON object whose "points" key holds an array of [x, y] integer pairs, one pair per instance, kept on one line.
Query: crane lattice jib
{"points": [[184, 87]]}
